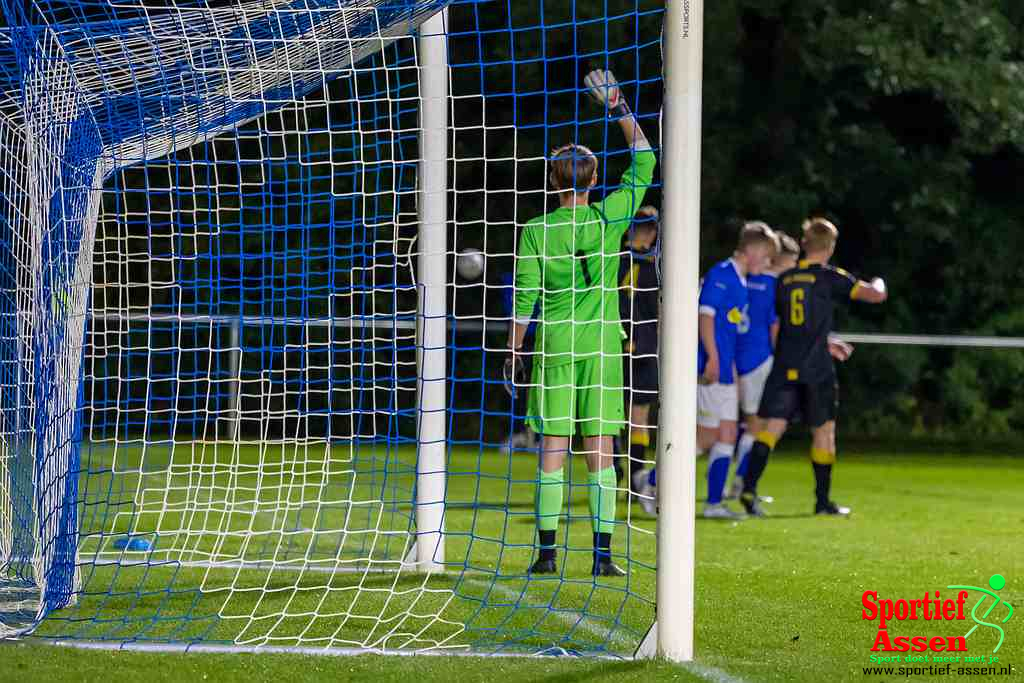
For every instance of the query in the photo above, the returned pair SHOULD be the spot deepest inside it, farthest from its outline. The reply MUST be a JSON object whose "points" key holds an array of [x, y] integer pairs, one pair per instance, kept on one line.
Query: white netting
{"points": [[211, 329]]}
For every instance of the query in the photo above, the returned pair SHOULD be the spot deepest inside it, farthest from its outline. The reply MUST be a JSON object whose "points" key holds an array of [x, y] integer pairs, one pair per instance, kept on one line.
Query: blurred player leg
{"points": [[822, 409], [717, 407], [643, 394], [823, 457], [751, 390], [822, 406], [639, 435], [764, 444], [642, 479], [779, 403], [645, 483]]}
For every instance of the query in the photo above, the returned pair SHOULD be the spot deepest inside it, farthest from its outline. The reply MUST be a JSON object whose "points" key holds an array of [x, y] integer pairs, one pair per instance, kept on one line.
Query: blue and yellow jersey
{"points": [[754, 344], [724, 296]]}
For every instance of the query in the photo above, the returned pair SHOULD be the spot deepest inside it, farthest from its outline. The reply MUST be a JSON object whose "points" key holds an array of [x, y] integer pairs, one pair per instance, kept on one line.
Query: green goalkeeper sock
{"points": [[602, 500], [548, 504]]}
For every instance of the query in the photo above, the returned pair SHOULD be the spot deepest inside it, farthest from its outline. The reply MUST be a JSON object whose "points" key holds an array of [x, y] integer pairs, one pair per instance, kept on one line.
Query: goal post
{"points": [[431, 445], [677, 424]]}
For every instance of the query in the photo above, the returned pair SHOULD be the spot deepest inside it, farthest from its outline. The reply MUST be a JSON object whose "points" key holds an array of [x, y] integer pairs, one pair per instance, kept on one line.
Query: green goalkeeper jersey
{"points": [[569, 259]]}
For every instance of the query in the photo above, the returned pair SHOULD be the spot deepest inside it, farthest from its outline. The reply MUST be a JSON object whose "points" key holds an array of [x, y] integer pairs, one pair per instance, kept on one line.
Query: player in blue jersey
{"points": [[723, 302], [755, 348]]}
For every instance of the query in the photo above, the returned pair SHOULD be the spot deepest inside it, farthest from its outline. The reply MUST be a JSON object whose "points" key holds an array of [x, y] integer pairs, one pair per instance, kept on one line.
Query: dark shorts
{"points": [[818, 402], [642, 380]]}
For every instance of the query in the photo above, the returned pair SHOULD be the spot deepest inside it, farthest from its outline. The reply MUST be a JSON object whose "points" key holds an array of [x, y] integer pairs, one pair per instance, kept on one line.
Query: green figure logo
{"points": [[996, 582]]}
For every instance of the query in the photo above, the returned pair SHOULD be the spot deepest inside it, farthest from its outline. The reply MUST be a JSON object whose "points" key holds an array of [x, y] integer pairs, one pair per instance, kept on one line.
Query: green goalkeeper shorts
{"points": [[585, 396]]}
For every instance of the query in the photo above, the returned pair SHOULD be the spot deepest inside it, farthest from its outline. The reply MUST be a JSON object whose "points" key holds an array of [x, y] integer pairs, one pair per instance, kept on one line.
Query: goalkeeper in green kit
{"points": [[569, 260]]}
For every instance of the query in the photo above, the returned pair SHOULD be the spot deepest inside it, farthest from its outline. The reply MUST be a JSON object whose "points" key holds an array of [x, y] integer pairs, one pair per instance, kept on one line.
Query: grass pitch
{"points": [[777, 599]]}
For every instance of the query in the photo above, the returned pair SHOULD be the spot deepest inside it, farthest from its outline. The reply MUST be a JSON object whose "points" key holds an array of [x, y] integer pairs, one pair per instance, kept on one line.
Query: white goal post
{"points": [[677, 422], [432, 451]]}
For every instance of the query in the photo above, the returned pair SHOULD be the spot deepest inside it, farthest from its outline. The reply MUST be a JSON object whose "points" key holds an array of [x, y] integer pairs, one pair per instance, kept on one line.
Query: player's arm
{"points": [[620, 206], [839, 349], [706, 330], [874, 292], [713, 302]]}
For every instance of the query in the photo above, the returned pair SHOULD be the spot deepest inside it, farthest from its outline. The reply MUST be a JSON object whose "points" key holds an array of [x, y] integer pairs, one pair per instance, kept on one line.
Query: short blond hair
{"points": [[789, 246], [758, 232], [573, 167], [820, 234]]}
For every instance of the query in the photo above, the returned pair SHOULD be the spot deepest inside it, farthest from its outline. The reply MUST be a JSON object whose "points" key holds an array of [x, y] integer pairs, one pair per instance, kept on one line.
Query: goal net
{"points": [[214, 328]]}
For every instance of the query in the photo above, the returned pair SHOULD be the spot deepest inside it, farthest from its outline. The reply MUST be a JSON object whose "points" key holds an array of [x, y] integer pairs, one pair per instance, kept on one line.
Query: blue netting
{"points": [[237, 463]]}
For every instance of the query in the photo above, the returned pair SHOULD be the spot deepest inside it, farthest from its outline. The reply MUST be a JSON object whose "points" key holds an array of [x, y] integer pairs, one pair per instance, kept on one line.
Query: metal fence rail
{"points": [[500, 326]]}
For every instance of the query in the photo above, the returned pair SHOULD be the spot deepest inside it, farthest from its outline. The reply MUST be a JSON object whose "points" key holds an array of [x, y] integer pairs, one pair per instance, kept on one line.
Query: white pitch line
{"points": [[711, 673], [190, 648]]}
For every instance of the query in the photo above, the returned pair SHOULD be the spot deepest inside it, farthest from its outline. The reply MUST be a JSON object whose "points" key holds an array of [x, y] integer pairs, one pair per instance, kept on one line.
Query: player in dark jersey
{"points": [[638, 306], [803, 377]]}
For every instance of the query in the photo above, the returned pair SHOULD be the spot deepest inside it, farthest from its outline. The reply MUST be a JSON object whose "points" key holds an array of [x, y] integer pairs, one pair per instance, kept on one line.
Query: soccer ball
{"points": [[470, 264]]}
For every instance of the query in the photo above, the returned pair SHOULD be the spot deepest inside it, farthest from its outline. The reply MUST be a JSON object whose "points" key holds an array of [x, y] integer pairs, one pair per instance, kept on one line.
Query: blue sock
{"points": [[718, 471], [746, 443], [652, 476]]}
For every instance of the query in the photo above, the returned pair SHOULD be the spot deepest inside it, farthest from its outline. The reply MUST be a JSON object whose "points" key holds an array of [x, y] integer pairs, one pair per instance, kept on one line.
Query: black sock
{"points": [[602, 547], [756, 462], [822, 482], [547, 543]]}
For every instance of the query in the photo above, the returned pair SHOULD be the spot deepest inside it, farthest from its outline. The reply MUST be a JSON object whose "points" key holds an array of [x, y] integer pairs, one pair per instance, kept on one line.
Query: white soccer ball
{"points": [[470, 264]]}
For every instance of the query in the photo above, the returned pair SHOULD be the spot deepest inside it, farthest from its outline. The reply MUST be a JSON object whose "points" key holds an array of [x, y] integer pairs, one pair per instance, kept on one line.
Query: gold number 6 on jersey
{"points": [[796, 307]]}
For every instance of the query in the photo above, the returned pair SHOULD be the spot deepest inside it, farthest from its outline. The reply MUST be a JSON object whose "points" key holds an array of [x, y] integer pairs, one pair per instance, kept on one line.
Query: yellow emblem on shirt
{"points": [[735, 316]]}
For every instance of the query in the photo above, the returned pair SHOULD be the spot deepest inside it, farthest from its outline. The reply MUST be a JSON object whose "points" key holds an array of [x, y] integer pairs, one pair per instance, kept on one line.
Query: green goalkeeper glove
{"points": [[605, 90]]}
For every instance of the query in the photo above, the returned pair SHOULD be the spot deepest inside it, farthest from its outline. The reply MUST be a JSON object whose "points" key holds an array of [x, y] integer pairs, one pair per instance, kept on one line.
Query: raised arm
{"points": [[620, 206], [633, 133]]}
